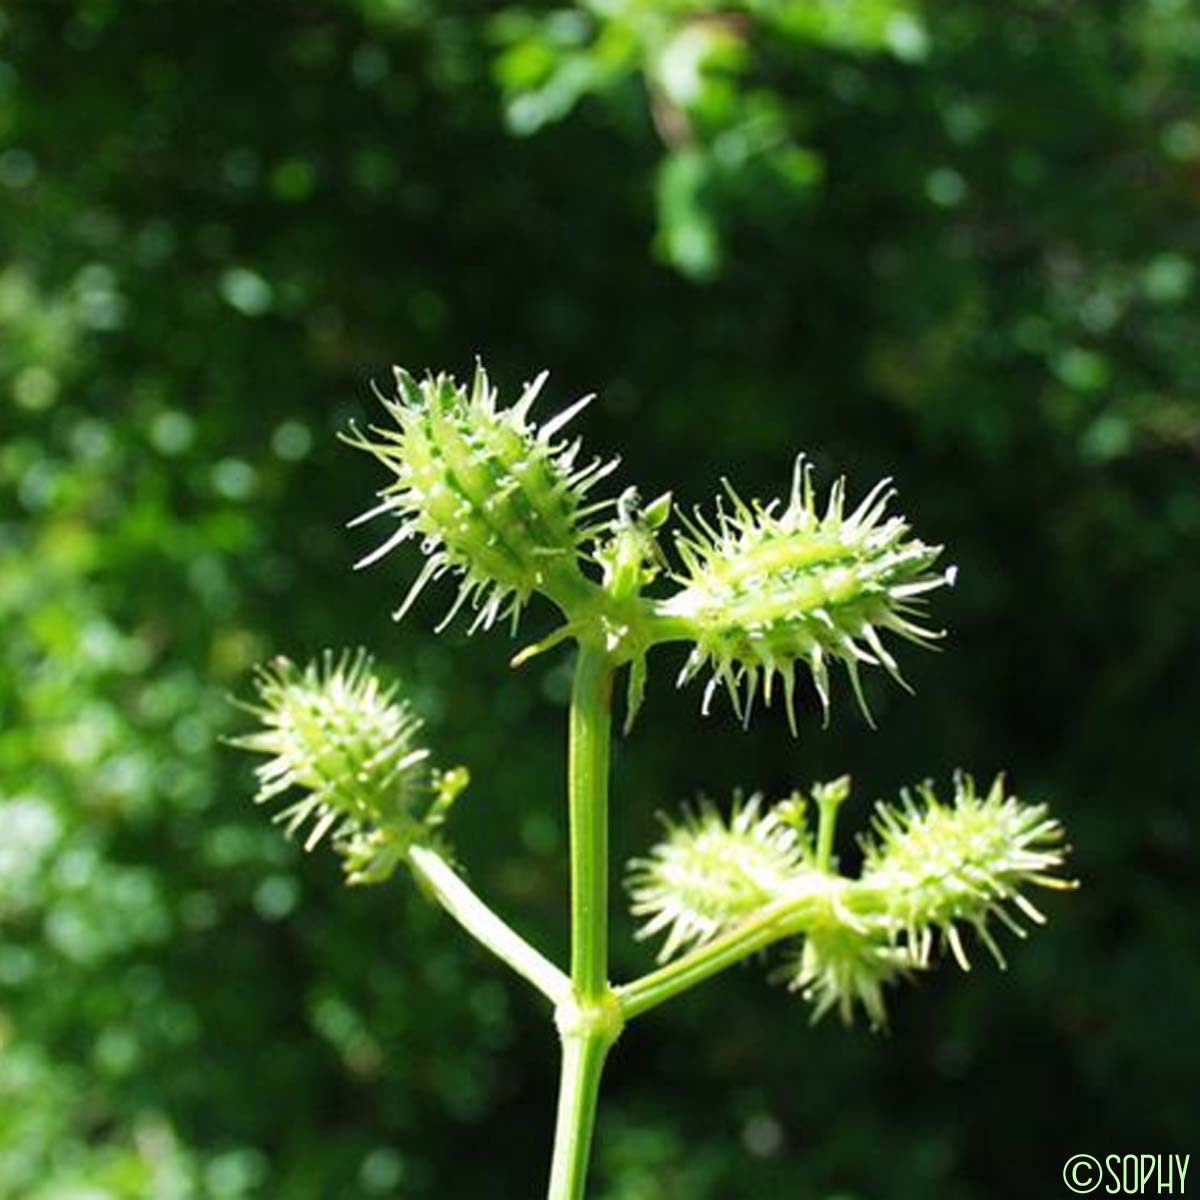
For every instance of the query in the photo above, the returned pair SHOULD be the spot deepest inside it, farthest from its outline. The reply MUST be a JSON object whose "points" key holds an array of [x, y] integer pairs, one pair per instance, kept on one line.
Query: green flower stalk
{"points": [[766, 590], [762, 593]]}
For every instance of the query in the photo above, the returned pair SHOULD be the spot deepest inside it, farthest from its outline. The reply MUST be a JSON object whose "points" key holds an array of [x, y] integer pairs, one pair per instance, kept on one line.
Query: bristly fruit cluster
{"points": [[928, 868], [491, 497], [766, 590], [707, 874], [334, 734], [939, 864]]}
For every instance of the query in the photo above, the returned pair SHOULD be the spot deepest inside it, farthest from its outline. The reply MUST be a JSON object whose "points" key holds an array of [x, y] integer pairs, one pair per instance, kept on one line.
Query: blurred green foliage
{"points": [[956, 244]]}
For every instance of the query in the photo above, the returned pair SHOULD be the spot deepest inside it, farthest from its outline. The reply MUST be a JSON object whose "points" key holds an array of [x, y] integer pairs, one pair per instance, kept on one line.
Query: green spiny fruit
{"points": [[937, 864], [491, 496], [707, 874], [928, 867], [765, 590], [332, 732], [843, 968]]}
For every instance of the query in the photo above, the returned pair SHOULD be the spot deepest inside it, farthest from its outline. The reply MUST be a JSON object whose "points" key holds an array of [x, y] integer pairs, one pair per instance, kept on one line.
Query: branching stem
{"points": [[775, 921], [453, 893]]}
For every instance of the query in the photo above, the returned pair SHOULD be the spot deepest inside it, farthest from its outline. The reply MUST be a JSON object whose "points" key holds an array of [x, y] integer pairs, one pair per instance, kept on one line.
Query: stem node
{"points": [[602, 1019]]}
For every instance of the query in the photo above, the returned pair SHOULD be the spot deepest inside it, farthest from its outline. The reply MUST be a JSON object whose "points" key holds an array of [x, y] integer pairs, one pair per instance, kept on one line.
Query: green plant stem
{"points": [[456, 897], [579, 1090], [826, 826], [587, 793], [590, 1023], [668, 981], [829, 797], [780, 919]]}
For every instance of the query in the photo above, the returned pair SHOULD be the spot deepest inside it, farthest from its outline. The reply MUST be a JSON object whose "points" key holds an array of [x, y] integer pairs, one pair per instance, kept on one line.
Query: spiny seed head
{"points": [[927, 868], [348, 744], [491, 497], [707, 874], [766, 589], [842, 968], [939, 864]]}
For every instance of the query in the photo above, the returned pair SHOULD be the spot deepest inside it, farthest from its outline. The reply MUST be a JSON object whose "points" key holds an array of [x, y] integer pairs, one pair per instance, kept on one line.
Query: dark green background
{"points": [[961, 251]]}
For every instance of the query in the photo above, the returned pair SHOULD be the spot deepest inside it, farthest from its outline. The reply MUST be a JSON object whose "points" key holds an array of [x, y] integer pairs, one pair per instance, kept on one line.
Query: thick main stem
{"points": [[578, 1094], [589, 1024], [587, 787]]}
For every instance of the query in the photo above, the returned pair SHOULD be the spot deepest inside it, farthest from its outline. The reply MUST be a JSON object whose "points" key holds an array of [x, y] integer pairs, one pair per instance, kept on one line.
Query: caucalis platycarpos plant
{"points": [[768, 600]]}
